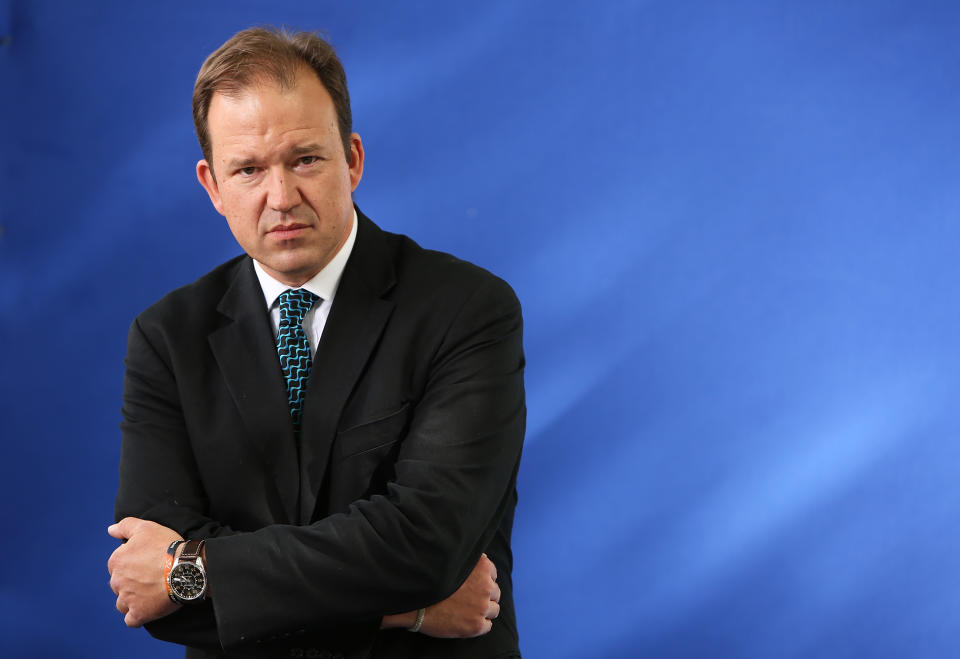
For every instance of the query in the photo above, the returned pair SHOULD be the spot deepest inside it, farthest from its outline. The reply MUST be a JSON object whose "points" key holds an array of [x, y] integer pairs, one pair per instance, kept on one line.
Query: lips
{"points": [[287, 230]]}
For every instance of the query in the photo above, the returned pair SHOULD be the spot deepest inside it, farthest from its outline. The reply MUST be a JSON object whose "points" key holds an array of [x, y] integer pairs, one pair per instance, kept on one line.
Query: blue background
{"points": [[734, 229]]}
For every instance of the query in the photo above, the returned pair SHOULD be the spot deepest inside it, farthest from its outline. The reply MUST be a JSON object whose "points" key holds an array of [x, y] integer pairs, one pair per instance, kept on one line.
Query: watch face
{"points": [[187, 581]]}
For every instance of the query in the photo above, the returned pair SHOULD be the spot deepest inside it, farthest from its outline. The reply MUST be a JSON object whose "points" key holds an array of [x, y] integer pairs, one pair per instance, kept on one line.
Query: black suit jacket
{"points": [[404, 472]]}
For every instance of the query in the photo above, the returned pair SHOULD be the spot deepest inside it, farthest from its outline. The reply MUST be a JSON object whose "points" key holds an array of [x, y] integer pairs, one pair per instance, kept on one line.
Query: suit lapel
{"points": [[245, 351], [356, 321]]}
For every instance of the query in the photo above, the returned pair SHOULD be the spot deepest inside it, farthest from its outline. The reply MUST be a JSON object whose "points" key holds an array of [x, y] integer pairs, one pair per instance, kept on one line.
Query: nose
{"points": [[282, 192]]}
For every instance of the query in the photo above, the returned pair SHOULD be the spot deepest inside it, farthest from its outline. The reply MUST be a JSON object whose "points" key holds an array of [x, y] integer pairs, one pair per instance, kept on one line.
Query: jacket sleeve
{"points": [[158, 475], [415, 544]]}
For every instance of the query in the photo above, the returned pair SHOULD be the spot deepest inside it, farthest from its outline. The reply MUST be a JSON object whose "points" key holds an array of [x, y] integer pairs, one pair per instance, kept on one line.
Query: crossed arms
{"points": [[418, 544]]}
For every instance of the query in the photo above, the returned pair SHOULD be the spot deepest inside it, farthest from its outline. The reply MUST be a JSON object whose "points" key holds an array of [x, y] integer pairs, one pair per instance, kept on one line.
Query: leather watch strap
{"points": [[191, 550]]}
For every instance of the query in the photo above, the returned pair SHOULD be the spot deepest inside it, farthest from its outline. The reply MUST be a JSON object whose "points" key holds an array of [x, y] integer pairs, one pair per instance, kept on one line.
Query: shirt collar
{"points": [[323, 284]]}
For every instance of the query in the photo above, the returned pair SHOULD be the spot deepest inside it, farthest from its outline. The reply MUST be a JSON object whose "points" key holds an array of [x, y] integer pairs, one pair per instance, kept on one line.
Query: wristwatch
{"points": [[187, 580]]}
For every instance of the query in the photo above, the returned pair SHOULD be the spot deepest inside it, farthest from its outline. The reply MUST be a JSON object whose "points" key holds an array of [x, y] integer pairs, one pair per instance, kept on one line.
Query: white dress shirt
{"points": [[323, 284]]}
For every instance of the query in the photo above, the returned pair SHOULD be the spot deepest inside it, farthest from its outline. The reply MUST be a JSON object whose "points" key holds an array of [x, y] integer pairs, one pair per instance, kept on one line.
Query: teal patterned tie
{"points": [[294, 349]]}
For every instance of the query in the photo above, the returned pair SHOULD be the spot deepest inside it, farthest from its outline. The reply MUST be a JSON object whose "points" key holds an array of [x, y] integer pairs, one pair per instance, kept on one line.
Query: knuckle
{"points": [[478, 627]]}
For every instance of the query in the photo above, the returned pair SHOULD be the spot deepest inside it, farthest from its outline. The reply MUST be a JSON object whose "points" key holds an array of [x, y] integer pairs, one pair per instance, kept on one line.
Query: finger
{"points": [[112, 561], [116, 530], [495, 592], [491, 568], [487, 626], [122, 606], [123, 529], [493, 610]]}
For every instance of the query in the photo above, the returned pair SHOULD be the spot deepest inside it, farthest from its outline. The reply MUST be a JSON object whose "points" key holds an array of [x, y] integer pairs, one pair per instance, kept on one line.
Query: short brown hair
{"points": [[273, 54]]}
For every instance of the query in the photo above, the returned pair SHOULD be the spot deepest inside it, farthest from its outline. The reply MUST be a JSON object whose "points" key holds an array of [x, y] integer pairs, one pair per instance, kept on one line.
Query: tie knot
{"points": [[295, 303]]}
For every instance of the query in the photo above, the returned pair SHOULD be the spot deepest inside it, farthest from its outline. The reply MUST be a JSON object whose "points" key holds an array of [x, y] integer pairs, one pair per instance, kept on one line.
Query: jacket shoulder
{"points": [[439, 277], [187, 304]]}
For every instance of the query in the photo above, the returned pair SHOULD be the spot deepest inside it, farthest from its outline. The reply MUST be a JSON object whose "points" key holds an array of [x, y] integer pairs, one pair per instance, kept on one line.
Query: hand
{"points": [[467, 613], [136, 570], [470, 611]]}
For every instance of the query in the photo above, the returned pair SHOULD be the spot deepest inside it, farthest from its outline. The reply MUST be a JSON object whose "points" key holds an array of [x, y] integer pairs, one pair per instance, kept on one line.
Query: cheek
{"points": [[242, 216]]}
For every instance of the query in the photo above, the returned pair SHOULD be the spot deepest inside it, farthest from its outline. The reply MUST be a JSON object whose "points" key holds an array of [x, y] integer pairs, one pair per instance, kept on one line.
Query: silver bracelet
{"points": [[416, 625]]}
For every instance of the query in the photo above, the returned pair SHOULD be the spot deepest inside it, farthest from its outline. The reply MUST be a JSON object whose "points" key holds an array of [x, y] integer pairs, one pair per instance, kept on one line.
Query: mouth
{"points": [[288, 230]]}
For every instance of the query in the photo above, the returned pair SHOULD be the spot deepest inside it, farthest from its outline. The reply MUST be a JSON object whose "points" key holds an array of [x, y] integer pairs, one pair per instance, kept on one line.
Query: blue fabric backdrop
{"points": [[734, 229]]}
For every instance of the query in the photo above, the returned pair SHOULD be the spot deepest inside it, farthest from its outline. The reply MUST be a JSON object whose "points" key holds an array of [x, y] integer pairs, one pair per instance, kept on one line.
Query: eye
{"points": [[307, 160], [247, 171]]}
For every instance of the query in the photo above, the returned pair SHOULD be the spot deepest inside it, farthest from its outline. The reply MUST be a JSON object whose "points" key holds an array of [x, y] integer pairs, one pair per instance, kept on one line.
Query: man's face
{"points": [[282, 180]]}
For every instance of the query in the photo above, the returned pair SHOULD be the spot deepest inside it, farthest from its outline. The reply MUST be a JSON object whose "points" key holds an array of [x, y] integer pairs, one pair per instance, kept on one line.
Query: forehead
{"points": [[266, 115]]}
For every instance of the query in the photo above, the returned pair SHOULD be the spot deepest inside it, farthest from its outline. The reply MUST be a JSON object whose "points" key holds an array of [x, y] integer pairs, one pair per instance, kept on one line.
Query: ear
{"points": [[356, 161], [209, 183]]}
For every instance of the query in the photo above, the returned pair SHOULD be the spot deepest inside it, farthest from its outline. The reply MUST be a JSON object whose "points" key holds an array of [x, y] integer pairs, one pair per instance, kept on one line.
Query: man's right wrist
{"points": [[168, 565], [187, 579]]}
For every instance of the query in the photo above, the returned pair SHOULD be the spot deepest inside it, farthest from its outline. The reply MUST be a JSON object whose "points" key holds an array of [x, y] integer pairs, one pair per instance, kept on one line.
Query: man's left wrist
{"points": [[399, 620]]}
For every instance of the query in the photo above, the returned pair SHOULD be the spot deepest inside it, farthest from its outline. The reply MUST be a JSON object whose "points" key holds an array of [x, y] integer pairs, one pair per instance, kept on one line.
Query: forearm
{"points": [[359, 571]]}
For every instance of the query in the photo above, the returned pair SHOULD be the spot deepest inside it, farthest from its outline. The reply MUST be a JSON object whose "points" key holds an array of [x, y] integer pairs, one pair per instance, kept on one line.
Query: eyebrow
{"points": [[240, 164], [306, 148]]}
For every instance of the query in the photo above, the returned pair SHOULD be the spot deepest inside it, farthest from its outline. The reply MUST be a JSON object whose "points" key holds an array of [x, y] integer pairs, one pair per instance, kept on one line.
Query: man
{"points": [[338, 414]]}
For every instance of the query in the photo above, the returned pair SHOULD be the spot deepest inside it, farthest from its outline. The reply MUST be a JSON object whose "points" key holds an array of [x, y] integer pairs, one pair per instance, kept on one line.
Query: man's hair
{"points": [[269, 54]]}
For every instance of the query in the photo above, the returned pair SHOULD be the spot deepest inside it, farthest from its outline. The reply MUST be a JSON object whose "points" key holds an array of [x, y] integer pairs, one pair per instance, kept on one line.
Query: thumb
{"points": [[123, 529]]}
